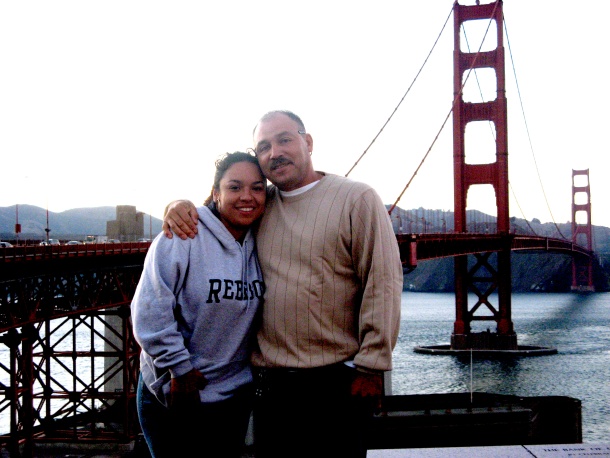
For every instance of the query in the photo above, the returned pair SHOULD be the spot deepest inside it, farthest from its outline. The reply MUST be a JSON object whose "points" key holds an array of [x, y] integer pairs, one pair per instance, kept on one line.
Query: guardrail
{"points": [[29, 253], [419, 247]]}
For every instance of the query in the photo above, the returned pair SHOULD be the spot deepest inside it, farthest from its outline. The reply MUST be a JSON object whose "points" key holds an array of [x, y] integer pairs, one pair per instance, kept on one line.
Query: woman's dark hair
{"points": [[223, 164]]}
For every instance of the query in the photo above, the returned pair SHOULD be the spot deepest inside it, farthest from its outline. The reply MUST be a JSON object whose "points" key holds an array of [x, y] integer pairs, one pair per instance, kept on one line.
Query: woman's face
{"points": [[241, 197]]}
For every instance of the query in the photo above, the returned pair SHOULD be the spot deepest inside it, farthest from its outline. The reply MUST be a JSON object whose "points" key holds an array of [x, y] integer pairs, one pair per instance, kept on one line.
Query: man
{"points": [[331, 312]]}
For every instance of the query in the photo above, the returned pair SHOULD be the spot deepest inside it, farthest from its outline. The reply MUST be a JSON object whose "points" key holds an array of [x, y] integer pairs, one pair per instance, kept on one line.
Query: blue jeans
{"points": [[217, 429]]}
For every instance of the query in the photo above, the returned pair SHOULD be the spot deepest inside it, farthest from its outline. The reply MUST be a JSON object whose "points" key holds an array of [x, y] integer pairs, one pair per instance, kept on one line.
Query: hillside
{"points": [[71, 224]]}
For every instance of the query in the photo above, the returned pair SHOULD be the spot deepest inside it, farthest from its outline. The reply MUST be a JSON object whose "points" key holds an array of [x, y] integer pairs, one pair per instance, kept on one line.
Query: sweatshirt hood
{"points": [[216, 227]]}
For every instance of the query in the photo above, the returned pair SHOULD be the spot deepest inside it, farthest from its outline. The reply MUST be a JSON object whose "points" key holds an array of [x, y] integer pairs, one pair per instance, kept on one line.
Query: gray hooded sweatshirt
{"points": [[195, 307]]}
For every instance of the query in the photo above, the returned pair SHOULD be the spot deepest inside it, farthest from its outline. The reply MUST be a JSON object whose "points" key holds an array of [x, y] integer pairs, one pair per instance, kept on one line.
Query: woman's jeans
{"points": [[215, 430]]}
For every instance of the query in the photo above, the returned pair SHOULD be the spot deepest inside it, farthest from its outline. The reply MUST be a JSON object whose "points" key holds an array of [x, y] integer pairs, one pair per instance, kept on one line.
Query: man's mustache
{"points": [[275, 163]]}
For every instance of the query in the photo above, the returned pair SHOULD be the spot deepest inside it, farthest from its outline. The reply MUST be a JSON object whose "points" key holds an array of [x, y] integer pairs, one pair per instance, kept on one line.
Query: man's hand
{"points": [[180, 217], [368, 387]]}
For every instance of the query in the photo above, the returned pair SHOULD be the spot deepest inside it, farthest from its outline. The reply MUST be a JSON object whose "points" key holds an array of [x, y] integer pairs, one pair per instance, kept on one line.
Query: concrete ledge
{"points": [[511, 451]]}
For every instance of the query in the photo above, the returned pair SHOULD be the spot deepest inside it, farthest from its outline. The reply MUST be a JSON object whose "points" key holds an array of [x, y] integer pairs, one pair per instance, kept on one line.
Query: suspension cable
{"points": [[521, 210], [490, 123], [403, 97], [529, 138]]}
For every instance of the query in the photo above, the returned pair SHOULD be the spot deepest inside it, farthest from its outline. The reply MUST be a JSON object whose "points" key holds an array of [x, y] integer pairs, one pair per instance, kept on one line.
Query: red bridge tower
{"points": [[582, 268], [489, 272]]}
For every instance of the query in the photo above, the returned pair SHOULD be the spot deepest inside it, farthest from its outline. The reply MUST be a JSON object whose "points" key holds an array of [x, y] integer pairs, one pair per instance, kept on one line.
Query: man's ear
{"points": [[309, 141]]}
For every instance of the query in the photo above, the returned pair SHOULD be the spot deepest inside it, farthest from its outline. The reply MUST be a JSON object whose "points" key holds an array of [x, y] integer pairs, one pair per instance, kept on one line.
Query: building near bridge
{"points": [[128, 226]]}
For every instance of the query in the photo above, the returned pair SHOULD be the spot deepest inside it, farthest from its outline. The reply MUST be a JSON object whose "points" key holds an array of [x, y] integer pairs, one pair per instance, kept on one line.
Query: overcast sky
{"points": [[130, 102]]}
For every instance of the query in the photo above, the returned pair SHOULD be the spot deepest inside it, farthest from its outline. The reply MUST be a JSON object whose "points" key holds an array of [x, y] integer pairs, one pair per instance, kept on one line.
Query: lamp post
{"points": [[399, 219], [47, 230], [17, 225]]}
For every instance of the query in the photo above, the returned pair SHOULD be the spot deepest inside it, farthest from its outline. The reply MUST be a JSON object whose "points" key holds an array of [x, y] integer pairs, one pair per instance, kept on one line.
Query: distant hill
{"points": [[69, 224]]}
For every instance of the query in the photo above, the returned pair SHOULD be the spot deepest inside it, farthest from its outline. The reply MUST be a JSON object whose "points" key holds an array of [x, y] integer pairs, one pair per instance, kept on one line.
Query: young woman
{"points": [[193, 315]]}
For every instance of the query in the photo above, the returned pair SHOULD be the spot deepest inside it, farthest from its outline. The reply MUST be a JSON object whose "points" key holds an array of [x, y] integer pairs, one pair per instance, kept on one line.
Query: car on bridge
{"points": [[5, 245], [49, 242], [73, 243]]}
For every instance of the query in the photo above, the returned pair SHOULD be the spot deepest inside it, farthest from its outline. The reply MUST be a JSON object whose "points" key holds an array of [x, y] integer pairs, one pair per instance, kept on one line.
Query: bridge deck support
{"points": [[73, 361]]}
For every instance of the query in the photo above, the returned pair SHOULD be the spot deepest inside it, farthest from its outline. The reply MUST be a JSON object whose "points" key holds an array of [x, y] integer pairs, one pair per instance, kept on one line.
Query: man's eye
{"points": [[285, 140], [262, 149]]}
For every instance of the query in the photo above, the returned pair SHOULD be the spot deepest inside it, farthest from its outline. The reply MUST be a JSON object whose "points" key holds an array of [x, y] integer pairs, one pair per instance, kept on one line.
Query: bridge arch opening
{"points": [[582, 239], [581, 217], [480, 142], [474, 34], [479, 85], [580, 181], [481, 210], [581, 198]]}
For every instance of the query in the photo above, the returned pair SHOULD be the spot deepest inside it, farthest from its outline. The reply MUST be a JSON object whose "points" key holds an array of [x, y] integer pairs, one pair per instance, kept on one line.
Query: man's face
{"points": [[284, 153]]}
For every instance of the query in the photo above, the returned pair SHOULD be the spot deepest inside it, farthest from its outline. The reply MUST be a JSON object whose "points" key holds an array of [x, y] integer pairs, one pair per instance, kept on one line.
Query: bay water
{"points": [[577, 325]]}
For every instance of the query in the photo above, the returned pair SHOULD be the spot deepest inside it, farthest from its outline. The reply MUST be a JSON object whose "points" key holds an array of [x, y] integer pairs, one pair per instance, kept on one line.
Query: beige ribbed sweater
{"points": [[333, 278]]}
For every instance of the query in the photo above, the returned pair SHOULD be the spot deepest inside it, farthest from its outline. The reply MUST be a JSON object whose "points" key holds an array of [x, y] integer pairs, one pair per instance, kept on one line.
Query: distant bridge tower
{"points": [[582, 268], [481, 277]]}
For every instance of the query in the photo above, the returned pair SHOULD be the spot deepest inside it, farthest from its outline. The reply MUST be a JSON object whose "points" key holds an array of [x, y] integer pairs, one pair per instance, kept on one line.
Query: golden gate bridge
{"points": [[69, 364]]}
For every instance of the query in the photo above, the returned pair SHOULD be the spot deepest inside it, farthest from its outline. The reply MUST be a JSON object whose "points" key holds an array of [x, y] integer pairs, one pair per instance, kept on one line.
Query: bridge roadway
{"points": [[69, 363], [420, 247]]}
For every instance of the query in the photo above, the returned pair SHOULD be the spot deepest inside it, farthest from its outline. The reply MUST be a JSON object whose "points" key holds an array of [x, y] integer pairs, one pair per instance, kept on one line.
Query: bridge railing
{"points": [[26, 253], [419, 247], [413, 247]]}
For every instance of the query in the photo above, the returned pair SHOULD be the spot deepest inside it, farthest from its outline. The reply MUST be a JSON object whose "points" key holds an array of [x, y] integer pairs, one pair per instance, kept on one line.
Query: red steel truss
{"points": [[69, 364]]}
